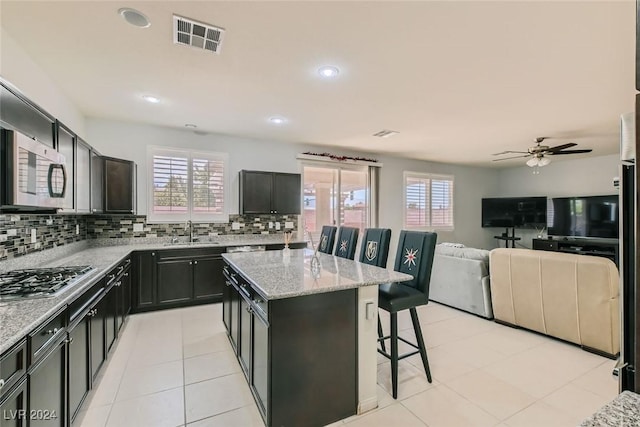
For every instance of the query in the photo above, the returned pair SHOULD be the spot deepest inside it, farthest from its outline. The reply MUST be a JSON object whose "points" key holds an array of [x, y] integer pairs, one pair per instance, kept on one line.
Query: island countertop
{"points": [[274, 275]]}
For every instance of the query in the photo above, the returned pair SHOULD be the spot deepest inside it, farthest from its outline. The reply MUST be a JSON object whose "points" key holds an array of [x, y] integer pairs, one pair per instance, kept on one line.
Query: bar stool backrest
{"points": [[374, 249]]}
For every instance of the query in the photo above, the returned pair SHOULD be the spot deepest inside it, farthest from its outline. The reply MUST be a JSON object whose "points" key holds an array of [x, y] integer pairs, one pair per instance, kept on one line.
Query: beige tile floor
{"points": [[175, 368]]}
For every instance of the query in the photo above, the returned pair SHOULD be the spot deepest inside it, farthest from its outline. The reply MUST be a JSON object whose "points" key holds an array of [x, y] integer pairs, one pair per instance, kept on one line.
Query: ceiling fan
{"points": [[538, 152]]}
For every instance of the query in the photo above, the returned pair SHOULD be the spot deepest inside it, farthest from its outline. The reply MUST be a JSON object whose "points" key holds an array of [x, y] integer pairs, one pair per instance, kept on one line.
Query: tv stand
{"points": [[508, 237], [595, 247]]}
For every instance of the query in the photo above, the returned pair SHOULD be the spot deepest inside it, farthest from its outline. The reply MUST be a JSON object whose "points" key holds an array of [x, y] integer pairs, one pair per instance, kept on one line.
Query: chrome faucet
{"points": [[189, 225]]}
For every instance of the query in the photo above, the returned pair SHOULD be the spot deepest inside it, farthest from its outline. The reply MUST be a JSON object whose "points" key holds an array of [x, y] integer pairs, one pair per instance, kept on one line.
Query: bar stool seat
{"points": [[395, 297]]}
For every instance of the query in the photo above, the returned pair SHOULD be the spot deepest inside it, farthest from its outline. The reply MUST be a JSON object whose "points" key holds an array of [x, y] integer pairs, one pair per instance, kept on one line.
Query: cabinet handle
{"points": [[249, 309], [153, 254], [52, 331], [190, 262], [69, 341], [120, 269], [1, 383], [195, 262], [126, 274], [226, 282], [119, 283]]}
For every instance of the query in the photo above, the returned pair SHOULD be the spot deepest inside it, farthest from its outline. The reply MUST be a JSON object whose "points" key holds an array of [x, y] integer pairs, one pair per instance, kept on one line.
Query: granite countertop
{"points": [[623, 411], [276, 276], [19, 317]]}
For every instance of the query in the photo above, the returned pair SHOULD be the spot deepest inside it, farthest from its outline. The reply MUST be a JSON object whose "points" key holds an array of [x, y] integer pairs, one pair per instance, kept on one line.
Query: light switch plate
{"points": [[138, 227], [235, 226], [77, 228], [34, 235], [270, 224], [288, 224], [277, 226]]}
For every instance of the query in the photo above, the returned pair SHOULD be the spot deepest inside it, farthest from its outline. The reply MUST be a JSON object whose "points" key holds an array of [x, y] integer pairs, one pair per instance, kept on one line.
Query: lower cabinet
{"points": [[98, 336], [13, 406], [260, 362], [207, 277], [47, 391], [111, 316], [79, 368], [174, 283]]}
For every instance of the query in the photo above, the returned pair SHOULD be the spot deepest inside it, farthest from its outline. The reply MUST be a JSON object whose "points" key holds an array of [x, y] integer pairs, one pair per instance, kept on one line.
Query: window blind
{"points": [[428, 201], [170, 179], [208, 185]]}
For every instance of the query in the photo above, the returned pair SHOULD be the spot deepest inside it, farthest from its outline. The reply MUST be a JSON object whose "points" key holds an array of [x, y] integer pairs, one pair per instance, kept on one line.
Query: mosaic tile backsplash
{"points": [[56, 230], [23, 234], [128, 226]]}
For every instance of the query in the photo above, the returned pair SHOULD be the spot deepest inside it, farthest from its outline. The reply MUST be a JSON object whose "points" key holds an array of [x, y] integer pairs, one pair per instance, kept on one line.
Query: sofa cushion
{"points": [[468, 253]]}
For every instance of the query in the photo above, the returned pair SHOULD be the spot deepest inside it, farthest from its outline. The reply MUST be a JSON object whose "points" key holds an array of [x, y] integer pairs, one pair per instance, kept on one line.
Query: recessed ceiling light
{"points": [[328, 71], [277, 120], [190, 126], [151, 99], [134, 17]]}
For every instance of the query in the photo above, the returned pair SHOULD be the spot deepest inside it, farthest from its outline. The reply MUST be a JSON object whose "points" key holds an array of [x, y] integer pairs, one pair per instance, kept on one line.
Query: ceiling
{"points": [[458, 80]]}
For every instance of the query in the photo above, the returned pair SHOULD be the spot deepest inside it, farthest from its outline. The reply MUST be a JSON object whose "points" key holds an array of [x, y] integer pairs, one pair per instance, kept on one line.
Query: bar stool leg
{"points": [[421, 346], [394, 354], [380, 334]]}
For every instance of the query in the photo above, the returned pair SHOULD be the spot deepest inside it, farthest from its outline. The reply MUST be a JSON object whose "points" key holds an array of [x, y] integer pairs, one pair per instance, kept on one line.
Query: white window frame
{"points": [[153, 217], [429, 177]]}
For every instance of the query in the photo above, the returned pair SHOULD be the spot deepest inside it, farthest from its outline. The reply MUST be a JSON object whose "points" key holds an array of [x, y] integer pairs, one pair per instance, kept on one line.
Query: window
{"points": [[187, 185], [428, 201]]}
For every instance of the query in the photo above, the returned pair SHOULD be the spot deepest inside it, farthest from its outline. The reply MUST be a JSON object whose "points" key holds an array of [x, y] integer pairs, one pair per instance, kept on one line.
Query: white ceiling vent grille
{"points": [[197, 34], [385, 133]]}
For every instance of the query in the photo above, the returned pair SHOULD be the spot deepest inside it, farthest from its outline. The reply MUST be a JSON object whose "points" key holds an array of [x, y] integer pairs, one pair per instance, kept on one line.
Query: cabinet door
{"points": [[66, 147], [260, 362], [175, 281], [97, 181], [145, 280], [235, 318], [125, 307], [17, 113], [119, 184], [98, 353], [226, 305], [245, 335], [79, 368], [208, 279], [83, 177], [47, 390], [111, 317], [287, 196], [255, 192], [13, 407]]}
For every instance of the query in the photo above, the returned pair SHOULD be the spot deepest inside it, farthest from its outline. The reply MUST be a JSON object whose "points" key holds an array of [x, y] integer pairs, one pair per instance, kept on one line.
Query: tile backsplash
{"points": [[56, 230], [131, 226], [23, 234]]}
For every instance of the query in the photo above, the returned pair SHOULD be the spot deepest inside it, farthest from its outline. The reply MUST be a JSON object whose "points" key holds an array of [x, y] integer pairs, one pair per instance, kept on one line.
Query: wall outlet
{"points": [[277, 226], [34, 235], [235, 226], [77, 228], [50, 221], [138, 227], [288, 224], [270, 224]]}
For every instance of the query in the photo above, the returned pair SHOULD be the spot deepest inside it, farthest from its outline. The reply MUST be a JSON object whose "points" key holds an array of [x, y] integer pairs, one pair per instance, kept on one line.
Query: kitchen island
{"points": [[305, 333]]}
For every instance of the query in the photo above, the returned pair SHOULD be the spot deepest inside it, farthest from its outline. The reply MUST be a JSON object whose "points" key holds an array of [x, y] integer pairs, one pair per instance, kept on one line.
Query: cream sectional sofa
{"points": [[460, 279], [568, 296]]}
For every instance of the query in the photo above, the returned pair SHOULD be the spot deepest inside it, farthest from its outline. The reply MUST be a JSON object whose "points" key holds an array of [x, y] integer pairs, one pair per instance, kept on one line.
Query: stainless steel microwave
{"points": [[34, 175]]}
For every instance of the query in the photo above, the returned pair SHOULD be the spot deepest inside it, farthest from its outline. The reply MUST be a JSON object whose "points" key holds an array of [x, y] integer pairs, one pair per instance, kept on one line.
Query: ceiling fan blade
{"points": [[569, 152], [513, 157], [561, 147], [510, 152]]}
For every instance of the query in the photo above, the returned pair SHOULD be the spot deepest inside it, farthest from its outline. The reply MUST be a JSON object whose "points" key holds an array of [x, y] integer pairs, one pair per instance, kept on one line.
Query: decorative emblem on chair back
{"points": [[347, 241], [415, 256], [375, 246], [327, 237]]}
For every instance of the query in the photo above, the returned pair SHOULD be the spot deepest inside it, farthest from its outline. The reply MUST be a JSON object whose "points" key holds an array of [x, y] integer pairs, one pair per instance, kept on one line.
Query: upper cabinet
{"points": [[83, 176], [17, 112], [270, 192], [113, 185]]}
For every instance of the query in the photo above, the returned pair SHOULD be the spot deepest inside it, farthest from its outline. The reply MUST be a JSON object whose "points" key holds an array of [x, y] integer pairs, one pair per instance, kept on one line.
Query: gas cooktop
{"points": [[38, 282]]}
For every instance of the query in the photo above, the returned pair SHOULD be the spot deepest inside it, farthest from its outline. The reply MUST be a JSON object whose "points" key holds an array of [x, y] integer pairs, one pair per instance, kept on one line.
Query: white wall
{"points": [[580, 177], [17, 67], [130, 141]]}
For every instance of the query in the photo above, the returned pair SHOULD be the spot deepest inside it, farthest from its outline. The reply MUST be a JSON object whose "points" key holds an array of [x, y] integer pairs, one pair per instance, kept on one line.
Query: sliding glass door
{"points": [[335, 195]]}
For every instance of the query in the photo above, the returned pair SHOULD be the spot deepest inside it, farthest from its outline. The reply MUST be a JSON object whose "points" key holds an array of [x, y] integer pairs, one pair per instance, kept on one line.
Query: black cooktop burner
{"points": [[38, 282]]}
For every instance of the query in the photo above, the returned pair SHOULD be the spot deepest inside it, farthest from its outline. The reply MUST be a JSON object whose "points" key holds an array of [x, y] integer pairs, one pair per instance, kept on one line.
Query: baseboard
{"points": [[367, 405]]}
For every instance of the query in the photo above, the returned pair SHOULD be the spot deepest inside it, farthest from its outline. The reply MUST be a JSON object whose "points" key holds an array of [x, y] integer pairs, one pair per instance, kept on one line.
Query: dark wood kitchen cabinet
{"points": [[79, 367], [13, 385], [207, 277], [98, 336], [97, 182], [144, 280], [66, 142], [270, 193], [13, 406], [19, 113], [111, 316], [119, 186], [47, 389], [83, 176], [175, 278]]}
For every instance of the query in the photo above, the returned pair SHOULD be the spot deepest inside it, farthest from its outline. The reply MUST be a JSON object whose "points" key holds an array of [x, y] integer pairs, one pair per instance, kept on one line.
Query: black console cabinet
{"points": [[606, 249]]}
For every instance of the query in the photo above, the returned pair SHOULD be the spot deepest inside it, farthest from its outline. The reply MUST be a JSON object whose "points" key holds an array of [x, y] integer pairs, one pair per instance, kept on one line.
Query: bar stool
{"points": [[327, 237], [375, 246], [347, 241], [414, 257]]}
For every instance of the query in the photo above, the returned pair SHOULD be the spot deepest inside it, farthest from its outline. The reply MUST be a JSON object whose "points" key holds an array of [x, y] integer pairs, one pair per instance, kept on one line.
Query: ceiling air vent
{"points": [[385, 133], [197, 34]]}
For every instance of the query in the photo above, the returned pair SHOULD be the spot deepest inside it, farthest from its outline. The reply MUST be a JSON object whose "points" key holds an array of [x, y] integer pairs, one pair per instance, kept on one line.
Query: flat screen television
{"points": [[589, 216], [519, 212]]}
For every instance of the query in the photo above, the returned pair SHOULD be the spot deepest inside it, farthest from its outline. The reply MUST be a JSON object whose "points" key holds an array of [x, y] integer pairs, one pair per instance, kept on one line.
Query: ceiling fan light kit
{"points": [[538, 153]]}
